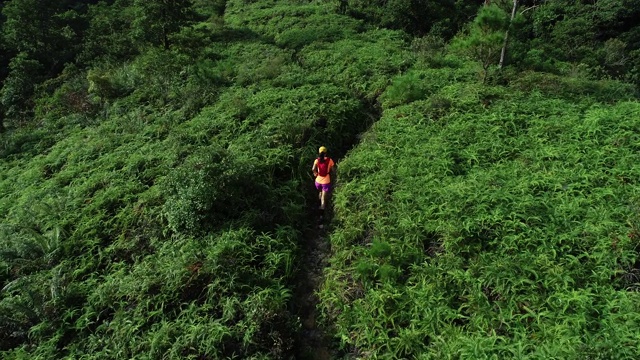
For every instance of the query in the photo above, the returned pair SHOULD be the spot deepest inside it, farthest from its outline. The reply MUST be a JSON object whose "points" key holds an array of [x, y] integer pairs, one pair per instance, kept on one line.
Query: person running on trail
{"points": [[322, 168]]}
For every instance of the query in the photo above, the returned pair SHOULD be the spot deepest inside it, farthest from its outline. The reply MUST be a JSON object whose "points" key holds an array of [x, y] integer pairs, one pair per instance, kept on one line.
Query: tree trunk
{"points": [[165, 39], [344, 5], [165, 30], [506, 35]]}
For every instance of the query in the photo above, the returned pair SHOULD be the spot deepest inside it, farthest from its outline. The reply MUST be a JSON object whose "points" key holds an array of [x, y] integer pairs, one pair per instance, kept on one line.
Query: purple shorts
{"points": [[323, 187]]}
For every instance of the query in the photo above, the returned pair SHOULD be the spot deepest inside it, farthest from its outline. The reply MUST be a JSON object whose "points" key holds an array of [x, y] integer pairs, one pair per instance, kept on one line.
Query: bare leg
{"points": [[323, 196]]}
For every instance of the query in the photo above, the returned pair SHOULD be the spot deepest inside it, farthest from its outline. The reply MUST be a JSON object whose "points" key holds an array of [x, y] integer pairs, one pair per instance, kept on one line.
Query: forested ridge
{"points": [[157, 202]]}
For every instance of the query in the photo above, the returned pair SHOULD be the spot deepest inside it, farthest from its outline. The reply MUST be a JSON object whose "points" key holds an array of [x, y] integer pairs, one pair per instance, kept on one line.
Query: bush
{"points": [[405, 89], [16, 95], [208, 190], [574, 88], [111, 84]]}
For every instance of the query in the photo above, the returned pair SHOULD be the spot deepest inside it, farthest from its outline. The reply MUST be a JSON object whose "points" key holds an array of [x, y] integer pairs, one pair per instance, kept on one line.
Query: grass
{"points": [[487, 232], [162, 215], [155, 208]]}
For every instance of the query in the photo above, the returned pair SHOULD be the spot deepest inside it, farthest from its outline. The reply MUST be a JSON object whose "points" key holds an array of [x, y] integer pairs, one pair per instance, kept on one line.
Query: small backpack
{"points": [[323, 167]]}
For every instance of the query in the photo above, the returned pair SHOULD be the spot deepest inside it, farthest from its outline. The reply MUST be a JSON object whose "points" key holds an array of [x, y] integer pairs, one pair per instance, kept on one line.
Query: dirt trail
{"points": [[312, 343]]}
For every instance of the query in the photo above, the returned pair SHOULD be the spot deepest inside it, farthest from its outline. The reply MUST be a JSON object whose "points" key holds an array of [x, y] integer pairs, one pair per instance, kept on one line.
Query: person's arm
{"points": [[314, 168]]}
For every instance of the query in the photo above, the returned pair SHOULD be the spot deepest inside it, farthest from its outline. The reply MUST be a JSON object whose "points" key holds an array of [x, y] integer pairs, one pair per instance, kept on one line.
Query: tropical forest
{"points": [[157, 198]]}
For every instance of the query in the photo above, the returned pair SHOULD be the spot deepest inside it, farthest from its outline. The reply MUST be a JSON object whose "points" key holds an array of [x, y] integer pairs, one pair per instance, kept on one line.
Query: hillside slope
{"points": [[156, 200], [491, 222], [163, 216]]}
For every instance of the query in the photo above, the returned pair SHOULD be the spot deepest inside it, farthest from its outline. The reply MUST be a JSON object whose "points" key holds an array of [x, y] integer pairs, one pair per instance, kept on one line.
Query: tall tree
{"points": [[18, 87], [506, 34], [602, 36], [45, 30], [418, 17], [485, 37], [44, 36], [109, 32], [27, 25], [40, 38], [156, 20], [4, 64]]}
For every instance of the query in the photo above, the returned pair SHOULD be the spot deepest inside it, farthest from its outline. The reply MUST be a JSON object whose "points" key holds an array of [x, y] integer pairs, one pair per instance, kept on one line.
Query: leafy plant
{"points": [[485, 37]]}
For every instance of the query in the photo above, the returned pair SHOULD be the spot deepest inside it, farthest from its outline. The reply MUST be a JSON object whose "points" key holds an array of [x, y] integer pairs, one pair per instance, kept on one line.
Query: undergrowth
{"points": [[154, 191], [503, 227]]}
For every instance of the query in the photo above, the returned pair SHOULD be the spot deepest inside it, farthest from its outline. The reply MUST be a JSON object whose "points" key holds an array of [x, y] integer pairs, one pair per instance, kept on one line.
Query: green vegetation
{"points": [[156, 202], [499, 231]]}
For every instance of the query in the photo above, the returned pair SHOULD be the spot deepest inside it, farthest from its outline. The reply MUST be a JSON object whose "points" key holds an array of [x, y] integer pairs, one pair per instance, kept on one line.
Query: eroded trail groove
{"points": [[312, 342], [315, 342]]}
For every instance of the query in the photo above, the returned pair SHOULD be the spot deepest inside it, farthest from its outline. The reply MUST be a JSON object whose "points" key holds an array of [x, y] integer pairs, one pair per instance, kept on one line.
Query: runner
{"points": [[322, 168]]}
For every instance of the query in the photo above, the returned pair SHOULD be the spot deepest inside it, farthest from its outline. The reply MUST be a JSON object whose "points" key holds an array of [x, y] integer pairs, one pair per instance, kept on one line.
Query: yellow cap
{"points": [[322, 149]]}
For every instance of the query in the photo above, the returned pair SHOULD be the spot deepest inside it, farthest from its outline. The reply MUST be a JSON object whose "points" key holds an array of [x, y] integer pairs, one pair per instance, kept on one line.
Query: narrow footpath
{"points": [[312, 342]]}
